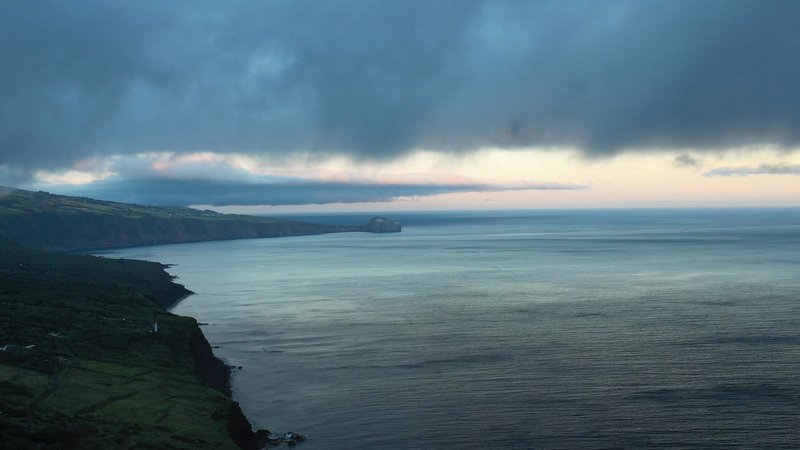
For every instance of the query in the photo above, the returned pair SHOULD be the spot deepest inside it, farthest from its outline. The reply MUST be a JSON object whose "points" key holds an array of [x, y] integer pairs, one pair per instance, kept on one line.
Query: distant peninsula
{"points": [[56, 222]]}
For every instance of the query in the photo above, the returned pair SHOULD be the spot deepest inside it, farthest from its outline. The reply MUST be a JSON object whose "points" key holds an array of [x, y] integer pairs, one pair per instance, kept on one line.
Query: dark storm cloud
{"points": [[374, 79], [687, 160], [294, 192], [761, 169]]}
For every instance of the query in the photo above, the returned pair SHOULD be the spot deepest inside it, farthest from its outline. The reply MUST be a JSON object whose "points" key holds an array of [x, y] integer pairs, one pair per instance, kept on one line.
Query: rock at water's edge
{"points": [[216, 374], [382, 225]]}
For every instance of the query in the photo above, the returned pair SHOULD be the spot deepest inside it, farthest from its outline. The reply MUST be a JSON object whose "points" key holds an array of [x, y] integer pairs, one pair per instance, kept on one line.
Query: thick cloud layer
{"points": [[375, 79]]}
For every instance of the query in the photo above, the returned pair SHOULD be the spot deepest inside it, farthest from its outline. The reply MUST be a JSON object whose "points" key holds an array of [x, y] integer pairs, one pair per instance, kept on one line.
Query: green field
{"points": [[82, 367], [19, 201]]}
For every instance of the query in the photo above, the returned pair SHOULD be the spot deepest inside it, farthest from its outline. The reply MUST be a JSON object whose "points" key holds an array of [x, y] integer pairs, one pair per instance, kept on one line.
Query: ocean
{"points": [[512, 329]]}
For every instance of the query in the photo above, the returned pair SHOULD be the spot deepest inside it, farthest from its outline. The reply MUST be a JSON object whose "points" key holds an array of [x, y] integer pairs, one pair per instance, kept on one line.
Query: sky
{"points": [[358, 105]]}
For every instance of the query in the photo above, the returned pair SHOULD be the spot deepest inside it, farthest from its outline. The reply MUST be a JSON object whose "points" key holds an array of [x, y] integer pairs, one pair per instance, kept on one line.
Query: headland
{"points": [[89, 355]]}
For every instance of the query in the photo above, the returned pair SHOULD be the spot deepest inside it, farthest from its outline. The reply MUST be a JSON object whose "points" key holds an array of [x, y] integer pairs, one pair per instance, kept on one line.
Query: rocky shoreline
{"points": [[214, 373], [91, 358]]}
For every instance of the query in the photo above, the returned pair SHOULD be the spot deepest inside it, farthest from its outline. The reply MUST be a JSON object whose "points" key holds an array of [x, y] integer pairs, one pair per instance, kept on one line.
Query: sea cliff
{"points": [[89, 355], [82, 365], [56, 222]]}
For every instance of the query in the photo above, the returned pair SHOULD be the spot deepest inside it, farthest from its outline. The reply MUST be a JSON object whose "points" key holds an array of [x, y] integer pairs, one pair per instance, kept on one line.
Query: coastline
{"points": [[91, 354], [212, 370], [62, 223], [217, 375], [83, 364]]}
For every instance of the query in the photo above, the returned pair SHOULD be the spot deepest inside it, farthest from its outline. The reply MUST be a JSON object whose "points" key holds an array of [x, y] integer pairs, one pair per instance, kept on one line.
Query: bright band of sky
{"points": [[744, 177]]}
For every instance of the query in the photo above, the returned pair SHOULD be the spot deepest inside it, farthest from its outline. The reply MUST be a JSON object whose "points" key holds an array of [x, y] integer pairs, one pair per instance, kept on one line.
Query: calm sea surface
{"points": [[542, 329]]}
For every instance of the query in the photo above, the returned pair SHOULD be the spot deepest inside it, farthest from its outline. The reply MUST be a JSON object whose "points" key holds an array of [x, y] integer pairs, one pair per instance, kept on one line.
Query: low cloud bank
{"points": [[761, 169], [221, 193]]}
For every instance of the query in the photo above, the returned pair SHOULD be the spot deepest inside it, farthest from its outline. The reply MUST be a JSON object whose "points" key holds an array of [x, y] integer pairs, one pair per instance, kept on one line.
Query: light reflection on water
{"points": [[532, 330]]}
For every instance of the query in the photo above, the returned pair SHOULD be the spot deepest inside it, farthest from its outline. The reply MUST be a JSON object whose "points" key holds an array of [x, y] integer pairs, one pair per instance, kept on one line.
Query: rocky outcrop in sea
{"points": [[382, 225]]}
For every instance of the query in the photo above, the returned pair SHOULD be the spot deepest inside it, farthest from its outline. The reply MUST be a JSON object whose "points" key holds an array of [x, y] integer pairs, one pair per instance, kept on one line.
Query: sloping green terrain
{"points": [[57, 222], [81, 367], [82, 364]]}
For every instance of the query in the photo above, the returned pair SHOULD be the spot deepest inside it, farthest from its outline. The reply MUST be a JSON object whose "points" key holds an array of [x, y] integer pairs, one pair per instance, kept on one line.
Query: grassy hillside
{"points": [[20, 201], [56, 222], [80, 365]]}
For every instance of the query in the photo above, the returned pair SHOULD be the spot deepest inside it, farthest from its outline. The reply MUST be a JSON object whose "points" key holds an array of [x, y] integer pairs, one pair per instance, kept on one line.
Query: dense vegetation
{"points": [[81, 367]]}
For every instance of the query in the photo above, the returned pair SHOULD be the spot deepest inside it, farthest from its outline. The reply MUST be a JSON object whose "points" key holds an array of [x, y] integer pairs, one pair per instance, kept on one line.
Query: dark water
{"points": [[555, 329]]}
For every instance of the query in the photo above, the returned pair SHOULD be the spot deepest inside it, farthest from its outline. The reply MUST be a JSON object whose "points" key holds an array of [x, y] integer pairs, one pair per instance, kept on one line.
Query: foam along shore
{"points": [[83, 366]]}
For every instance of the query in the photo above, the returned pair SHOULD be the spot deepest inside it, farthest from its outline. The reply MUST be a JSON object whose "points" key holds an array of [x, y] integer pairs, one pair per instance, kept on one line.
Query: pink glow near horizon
{"points": [[634, 180]]}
